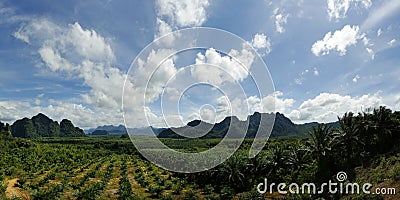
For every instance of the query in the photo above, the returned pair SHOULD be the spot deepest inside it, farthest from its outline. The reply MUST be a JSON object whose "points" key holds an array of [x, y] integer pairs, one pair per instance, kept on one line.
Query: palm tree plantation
{"points": [[41, 159]]}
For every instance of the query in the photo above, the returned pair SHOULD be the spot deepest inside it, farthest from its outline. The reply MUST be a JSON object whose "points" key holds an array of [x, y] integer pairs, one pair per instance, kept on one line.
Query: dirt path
{"points": [[14, 191]]}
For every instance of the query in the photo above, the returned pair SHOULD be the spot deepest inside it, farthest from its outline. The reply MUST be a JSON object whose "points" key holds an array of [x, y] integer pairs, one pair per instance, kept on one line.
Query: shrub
{"points": [[191, 195], [167, 197]]}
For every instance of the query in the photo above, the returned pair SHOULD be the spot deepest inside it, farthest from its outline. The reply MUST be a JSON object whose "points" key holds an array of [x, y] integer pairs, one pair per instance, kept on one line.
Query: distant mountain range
{"points": [[283, 127], [42, 126], [120, 130]]}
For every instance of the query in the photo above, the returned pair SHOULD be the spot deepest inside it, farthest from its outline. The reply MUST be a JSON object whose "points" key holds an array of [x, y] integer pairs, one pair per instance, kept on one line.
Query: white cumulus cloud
{"points": [[219, 68], [183, 13], [261, 43], [74, 52], [326, 107], [338, 41]]}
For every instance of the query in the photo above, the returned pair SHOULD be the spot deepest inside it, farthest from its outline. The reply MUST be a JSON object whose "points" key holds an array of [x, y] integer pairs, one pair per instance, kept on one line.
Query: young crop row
{"points": [[95, 189]]}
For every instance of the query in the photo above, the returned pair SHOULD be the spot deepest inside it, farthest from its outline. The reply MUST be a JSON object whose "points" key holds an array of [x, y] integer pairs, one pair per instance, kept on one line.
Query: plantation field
{"points": [[87, 168]]}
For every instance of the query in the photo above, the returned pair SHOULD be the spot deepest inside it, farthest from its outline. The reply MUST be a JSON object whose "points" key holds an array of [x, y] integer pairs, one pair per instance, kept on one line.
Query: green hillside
{"points": [[42, 126]]}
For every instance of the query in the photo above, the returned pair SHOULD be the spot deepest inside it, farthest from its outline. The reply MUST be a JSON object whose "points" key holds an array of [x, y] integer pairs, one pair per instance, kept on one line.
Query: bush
{"points": [[167, 197], [208, 189], [21, 181], [155, 191], [250, 196], [3, 187], [177, 188], [394, 174], [227, 193], [191, 195]]}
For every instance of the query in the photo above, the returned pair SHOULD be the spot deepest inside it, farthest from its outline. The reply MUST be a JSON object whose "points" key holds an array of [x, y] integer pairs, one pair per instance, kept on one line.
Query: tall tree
{"points": [[321, 143]]}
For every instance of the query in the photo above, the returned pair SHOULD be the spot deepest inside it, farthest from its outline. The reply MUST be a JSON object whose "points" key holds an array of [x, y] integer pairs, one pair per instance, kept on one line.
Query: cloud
{"points": [[261, 43], [355, 79], [183, 13], [82, 54], [387, 10], [302, 76], [280, 20], [282, 105], [71, 41], [163, 29], [326, 107], [270, 103], [379, 32], [391, 42], [219, 68], [370, 53], [80, 115], [338, 41], [79, 53], [316, 73], [208, 114], [243, 107], [338, 9], [173, 15]]}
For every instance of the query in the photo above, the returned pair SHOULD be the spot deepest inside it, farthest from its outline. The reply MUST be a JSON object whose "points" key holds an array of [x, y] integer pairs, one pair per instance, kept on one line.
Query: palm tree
{"points": [[278, 160], [299, 155], [260, 164], [349, 141], [321, 142], [235, 171], [385, 127], [378, 130]]}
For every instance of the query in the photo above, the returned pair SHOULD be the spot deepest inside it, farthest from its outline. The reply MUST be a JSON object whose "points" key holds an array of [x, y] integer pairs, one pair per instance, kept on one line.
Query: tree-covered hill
{"points": [[42, 126], [283, 127]]}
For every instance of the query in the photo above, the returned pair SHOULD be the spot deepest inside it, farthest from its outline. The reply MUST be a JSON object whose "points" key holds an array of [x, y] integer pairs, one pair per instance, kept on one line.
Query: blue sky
{"points": [[68, 59]]}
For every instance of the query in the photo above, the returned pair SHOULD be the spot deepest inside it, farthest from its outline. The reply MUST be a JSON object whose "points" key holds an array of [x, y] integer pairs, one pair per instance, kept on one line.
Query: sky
{"points": [[70, 59]]}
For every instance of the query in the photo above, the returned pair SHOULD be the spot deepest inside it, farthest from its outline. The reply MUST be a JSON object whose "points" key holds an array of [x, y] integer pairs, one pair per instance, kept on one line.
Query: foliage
{"points": [[42, 126], [5, 130], [52, 168], [67, 129], [23, 128]]}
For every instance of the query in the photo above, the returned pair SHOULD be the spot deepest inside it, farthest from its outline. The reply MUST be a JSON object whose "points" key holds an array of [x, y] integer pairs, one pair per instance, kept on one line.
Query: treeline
{"points": [[358, 141], [42, 126]]}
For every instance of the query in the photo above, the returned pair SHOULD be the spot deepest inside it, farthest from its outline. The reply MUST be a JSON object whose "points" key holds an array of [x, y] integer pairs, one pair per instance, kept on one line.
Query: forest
{"points": [[364, 145]]}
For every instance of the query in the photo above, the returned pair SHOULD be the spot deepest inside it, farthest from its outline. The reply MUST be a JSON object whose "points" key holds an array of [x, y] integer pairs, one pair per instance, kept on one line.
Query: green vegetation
{"points": [[5, 130], [42, 126], [363, 145]]}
